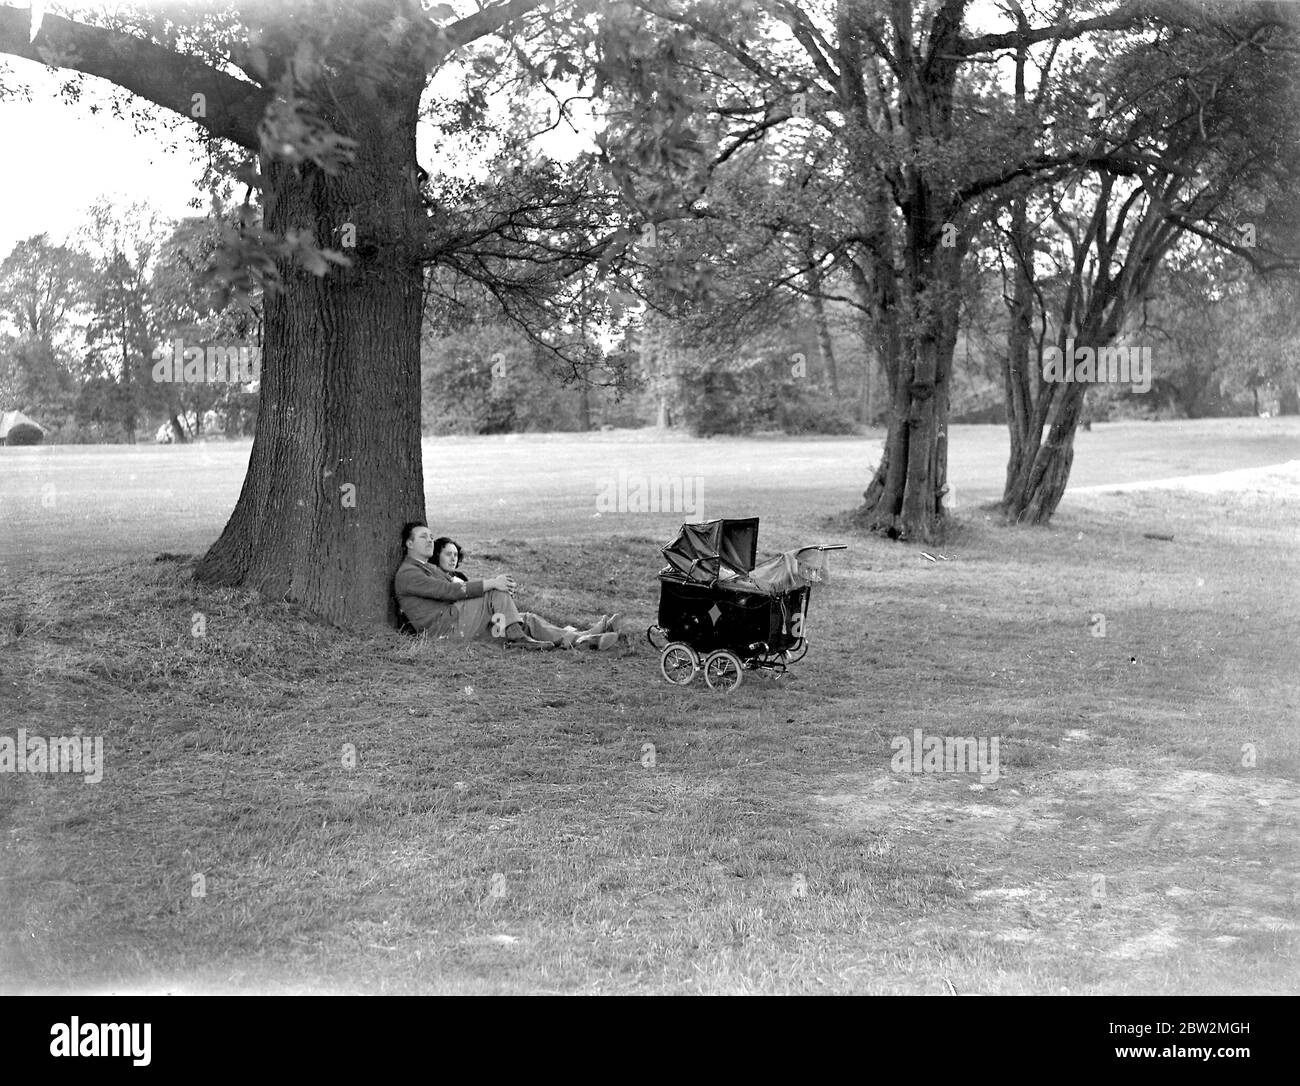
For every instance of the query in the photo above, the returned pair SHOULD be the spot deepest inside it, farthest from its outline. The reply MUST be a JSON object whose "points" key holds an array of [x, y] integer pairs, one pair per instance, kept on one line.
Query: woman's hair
{"points": [[441, 542], [407, 529]]}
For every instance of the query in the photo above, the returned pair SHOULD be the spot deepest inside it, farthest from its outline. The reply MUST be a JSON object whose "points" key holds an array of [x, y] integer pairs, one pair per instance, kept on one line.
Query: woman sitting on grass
{"points": [[435, 596]]}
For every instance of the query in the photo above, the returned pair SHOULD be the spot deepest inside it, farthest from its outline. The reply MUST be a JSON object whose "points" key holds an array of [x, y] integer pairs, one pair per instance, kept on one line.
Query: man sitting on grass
{"points": [[435, 596]]}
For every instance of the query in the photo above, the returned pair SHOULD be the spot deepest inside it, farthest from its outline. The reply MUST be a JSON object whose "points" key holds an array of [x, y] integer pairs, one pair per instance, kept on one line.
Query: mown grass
{"points": [[506, 826]]}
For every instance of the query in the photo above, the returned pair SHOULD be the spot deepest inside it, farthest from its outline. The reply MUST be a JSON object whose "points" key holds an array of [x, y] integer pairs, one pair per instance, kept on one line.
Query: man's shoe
{"points": [[599, 642], [607, 622], [528, 643]]}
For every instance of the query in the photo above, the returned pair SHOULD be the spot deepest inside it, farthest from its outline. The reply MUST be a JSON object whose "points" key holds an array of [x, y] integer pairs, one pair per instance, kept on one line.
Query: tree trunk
{"points": [[336, 463], [178, 431], [870, 366], [1034, 495], [905, 496], [584, 409], [1020, 374], [825, 348], [128, 388], [879, 335]]}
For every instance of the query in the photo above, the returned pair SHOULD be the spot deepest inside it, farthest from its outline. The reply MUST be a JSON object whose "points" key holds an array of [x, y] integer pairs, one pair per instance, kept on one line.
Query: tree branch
{"points": [[1123, 17], [233, 107]]}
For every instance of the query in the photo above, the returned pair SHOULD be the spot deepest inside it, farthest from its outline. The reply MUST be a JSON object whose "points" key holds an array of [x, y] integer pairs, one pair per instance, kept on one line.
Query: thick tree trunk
{"points": [[178, 431], [905, 498], [336, 462]]}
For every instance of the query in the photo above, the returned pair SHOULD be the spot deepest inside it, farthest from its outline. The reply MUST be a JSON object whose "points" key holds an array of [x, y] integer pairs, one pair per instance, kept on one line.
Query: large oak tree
{"points": [[325, 96]]}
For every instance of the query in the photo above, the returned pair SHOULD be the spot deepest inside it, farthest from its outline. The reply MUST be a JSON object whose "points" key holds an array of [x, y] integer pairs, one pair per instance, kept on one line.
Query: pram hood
{"points": [[723, 553], [713, 550]]}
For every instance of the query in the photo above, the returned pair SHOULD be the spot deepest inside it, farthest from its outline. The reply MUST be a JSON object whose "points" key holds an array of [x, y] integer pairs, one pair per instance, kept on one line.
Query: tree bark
{"points": [[336, 462], [1033, 496], [1019, 372], [905, 496]]}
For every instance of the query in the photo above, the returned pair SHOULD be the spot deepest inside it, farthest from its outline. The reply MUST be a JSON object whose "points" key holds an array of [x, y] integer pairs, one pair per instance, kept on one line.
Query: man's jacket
{"points": [[426, 594]]}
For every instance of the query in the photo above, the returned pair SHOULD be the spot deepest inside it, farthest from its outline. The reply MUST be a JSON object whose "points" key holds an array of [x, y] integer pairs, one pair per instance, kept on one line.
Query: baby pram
{"points": [[715, 605]]}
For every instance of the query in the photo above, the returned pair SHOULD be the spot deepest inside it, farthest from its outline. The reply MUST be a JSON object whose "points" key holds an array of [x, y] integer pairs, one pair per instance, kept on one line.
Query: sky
{"points": [[60, 159]]}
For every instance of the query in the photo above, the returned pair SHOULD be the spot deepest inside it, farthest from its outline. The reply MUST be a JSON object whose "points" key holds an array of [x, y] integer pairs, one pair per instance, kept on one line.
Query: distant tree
{"points": [[120, 339], [1224, 336], [491, 379], [185, 309], [35, 379], [43, 288]]}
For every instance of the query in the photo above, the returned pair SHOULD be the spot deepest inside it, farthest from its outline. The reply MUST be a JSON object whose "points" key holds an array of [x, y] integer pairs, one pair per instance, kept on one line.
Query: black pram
{"points": [[715, 604]]}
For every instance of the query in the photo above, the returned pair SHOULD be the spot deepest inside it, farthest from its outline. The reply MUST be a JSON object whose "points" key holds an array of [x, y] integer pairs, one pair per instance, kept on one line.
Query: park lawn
{"points": [[571, 823]]}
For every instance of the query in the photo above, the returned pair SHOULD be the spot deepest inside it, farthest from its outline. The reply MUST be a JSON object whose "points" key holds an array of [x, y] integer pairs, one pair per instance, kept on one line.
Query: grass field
{"points": [[289, 807]]}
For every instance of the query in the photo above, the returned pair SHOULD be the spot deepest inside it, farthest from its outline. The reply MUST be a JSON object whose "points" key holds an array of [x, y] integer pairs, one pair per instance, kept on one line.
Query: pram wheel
{"points": [[722, 670], [679, 663]]}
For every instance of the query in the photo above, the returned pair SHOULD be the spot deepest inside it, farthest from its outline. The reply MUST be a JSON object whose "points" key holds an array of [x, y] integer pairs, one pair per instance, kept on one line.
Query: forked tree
{"points": [[1191, 124]]}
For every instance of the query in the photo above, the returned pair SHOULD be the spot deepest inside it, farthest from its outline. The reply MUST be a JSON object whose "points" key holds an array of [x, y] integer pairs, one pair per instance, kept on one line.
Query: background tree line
{"points": [[79, 332]]}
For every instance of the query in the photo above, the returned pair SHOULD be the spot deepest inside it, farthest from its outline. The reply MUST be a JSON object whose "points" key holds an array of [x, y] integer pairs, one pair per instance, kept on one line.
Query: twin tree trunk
{"points": [[1037, 471], [336, 461]]}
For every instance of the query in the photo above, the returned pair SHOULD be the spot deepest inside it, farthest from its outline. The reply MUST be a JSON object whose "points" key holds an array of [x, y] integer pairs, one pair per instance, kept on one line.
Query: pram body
{"points": [[721, 614]]}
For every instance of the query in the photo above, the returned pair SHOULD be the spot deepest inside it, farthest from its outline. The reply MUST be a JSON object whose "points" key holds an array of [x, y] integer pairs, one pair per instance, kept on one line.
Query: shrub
{"points": [[25, 434], [815, 414]]}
